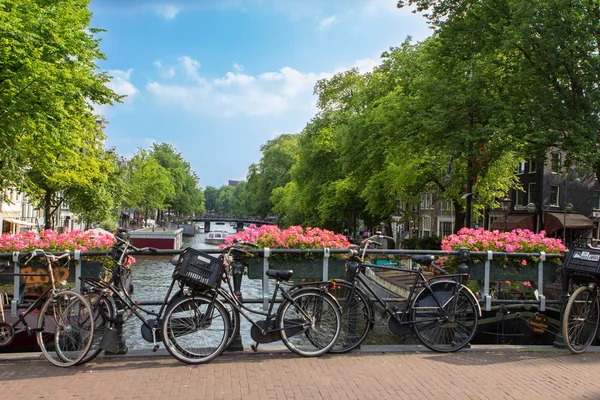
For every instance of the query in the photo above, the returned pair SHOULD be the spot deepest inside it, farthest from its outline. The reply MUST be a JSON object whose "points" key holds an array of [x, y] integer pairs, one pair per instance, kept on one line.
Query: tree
{"points": [[211, 194], [148, 184], [48, 84]]}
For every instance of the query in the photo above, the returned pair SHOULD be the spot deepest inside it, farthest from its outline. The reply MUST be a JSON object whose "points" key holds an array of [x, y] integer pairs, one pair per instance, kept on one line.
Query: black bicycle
{"points": [[196, 329], [64, 327], [440, 310]]}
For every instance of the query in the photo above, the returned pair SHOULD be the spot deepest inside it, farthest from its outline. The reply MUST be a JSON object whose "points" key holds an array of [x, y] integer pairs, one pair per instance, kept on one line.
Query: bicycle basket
{"points": [[583, 260], [196, 268]]}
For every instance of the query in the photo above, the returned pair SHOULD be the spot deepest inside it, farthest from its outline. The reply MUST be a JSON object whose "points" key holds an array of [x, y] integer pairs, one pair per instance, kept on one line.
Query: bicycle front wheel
{"points": [[196, 329], [580, 322], [310, 323], [65, 328], [450, 327], [357, 316], [104, 313]]}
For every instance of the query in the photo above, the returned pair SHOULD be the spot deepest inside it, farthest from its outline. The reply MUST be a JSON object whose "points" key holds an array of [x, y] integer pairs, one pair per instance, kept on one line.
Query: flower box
{"points": [[303, 268], [511, 271]]}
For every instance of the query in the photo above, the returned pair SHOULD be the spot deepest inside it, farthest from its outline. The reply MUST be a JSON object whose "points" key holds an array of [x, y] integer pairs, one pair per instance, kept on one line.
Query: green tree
{"points": [[148, 184], [48, 83], [211, 194]]}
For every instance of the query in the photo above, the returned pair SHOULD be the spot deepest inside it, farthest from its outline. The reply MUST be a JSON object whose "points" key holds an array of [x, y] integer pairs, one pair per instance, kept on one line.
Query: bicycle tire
{"points": [[65, 330], [318, 335], [104, 312], [429, 320], [581, 318], [357, 316], [203, 315], [7, 334]]}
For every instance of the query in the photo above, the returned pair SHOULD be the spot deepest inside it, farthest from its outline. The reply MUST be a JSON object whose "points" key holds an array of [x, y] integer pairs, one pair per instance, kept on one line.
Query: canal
{"points": [[151, 280]]}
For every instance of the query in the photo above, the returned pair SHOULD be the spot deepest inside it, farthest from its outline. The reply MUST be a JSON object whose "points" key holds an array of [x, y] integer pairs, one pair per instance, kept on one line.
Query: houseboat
{"points": [[216, 237]]}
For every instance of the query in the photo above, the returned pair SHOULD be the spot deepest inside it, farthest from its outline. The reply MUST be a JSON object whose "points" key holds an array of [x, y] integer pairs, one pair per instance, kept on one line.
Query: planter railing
{"points": [[326, 264]]}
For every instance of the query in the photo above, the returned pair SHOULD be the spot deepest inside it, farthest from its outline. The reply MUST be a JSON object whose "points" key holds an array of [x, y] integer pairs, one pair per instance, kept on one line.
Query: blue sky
{"points": [[219, 78]]}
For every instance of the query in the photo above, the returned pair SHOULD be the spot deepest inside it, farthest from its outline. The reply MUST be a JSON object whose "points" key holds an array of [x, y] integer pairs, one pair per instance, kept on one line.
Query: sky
{"points": [[217, 79]]}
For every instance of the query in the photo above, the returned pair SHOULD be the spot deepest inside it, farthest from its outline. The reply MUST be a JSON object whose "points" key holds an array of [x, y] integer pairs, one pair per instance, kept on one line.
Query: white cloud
{"points": [[167, 11], [237, 67], [326, 22], [166, 71], [236, 93], [120, 82], [190, 67]]}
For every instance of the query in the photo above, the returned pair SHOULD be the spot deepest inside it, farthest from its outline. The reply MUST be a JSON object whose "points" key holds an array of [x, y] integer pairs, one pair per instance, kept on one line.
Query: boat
{"points": [[216, 237]]}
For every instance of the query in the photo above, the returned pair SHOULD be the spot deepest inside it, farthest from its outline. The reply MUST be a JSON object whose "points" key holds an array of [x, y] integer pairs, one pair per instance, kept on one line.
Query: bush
{"points": [[426, 243]]}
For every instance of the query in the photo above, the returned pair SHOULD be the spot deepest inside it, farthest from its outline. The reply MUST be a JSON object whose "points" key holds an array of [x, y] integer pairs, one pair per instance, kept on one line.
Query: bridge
{"points": [[238, 220]]}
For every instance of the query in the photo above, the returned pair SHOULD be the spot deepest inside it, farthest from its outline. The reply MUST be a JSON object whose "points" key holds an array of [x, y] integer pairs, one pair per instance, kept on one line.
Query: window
{"points": [[554, 195], [445, 228], [427, 201], [426, 224], [556, 162], [521, 167], [596, 203], [531, 194], [521, 198], [532, 165]]}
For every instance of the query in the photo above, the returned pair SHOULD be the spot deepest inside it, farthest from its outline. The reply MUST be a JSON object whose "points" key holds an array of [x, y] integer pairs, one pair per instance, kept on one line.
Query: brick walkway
{"points": [[424, 375]]}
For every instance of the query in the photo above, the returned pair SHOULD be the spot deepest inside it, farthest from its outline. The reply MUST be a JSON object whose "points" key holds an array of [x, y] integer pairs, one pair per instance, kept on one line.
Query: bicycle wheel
{"points": [[104, 312], [311, 323], [196, 329], [65, 328], [580, 321], [449, 328], [357, 316], [234, 322], [7, 334]]}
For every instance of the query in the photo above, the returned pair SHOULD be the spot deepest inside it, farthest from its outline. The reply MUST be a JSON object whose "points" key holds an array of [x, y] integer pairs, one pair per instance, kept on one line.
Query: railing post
{"points": [[486, 282], [541, 296], [326, 252], [14, 306], [77, 258], [237, 274], [266, 279]]}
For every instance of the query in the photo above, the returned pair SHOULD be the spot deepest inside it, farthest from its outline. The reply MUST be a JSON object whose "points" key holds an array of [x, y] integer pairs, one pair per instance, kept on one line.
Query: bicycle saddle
{"points": [[424, 260], [284, 275]]}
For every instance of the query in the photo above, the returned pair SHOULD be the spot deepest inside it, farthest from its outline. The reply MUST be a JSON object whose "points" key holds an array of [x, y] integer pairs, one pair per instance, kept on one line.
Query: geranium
{"points": [[294, 237], [516, 241], [53, 241]]}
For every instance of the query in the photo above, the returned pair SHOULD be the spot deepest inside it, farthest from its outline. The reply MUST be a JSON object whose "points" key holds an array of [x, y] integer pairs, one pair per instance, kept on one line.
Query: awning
{"points": [[18, 221], [513, 221], [555, 222]]}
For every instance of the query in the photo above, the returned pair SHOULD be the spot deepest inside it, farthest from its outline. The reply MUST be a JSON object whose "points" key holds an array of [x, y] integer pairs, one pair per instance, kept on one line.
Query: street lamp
{"points": [[505, 203]]}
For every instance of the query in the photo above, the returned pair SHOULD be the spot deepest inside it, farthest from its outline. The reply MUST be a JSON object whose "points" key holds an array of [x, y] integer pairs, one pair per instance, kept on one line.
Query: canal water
{"points": [[151, 280]]}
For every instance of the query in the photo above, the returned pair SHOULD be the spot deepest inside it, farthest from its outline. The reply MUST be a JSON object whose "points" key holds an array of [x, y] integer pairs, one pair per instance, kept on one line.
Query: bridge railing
{"points": [[326, 264]]}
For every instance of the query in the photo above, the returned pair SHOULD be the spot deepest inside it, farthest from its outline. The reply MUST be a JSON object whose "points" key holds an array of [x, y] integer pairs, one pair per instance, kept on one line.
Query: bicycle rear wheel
{"points": [[65, 328], [449, 328], [196, 329], [311, 323], [104, 312], [357, 316], [580, 321]]}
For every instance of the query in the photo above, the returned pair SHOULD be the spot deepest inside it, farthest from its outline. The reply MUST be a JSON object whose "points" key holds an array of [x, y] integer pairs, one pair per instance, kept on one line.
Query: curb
{"points": [[406, 349]]}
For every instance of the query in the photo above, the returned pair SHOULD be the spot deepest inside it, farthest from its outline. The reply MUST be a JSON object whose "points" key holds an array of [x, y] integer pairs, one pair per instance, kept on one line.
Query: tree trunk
{"points": [[459, 216], [48, 210]]}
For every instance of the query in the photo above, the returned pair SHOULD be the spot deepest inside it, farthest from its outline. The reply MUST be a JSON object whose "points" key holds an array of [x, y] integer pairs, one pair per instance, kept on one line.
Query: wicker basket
{"points": [[196, 269]]}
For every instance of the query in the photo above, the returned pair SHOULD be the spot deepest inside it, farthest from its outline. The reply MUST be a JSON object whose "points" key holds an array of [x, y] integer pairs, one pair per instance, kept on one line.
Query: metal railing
{"points": [[326, 255]]}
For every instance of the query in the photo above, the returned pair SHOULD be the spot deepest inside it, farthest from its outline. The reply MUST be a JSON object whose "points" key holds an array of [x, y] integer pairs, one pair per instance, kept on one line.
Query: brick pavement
{"points": [[421, 375]]}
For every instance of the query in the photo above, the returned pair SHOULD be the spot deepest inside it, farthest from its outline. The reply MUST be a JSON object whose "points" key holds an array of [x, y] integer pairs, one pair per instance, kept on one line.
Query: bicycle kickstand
{"points": [[254, 347]]}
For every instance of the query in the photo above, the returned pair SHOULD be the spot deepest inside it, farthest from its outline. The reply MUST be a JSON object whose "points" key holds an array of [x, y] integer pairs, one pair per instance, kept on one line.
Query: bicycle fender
{"points": [[462, 287]]}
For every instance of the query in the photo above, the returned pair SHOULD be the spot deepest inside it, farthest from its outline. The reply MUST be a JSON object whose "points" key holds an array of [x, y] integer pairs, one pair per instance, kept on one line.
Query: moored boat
{"points": [[216, 237]]}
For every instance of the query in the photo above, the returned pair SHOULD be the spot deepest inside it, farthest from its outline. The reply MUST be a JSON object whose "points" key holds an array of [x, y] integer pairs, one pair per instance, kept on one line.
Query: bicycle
{"points": [[581, 316], [110, 299], [308, 321], [440, 310], [64, 328]]}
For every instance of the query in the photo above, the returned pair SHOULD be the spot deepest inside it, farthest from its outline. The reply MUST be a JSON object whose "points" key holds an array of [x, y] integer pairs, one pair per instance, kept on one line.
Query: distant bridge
{"points": [[239, 221]]}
